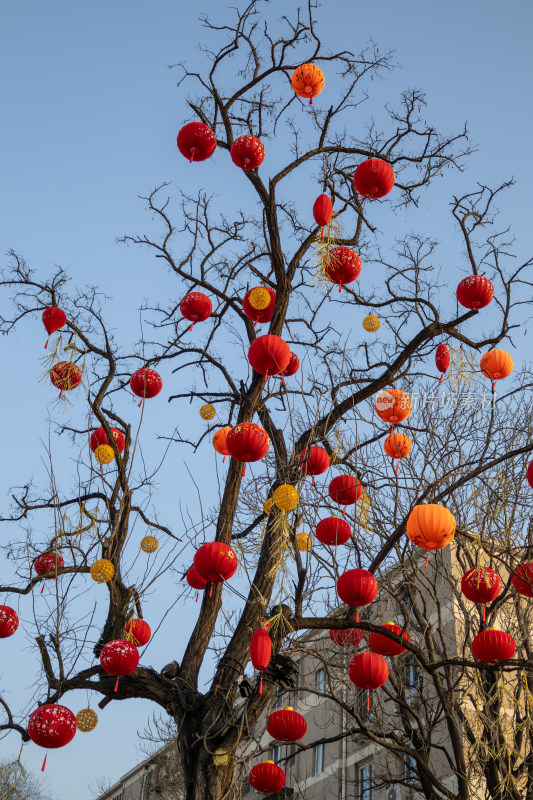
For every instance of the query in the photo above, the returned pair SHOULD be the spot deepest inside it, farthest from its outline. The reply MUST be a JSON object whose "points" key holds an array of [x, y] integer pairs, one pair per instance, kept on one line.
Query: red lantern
{"points": [[349, 637], [260, 652], [492, 646], [314, 461], [215, 562], [138, 632], [65, 376], [196, 307], [48, 562], [368, 671], [475, 292], [373, 178], [322, 211], [286, 725], [267, 777], [333, 531], [384, 646], [442, 359], [195, 580], [255, 314], [269, 355], [356, 588], [523, 579], [481, 585], [99, 437], [51, 726], [146, 383], [293, 367], [247, 442], [529, 474], [118, 658], [345, 490], [247, 152], [53, 319], [343, 265], [9, 621], [196, 141]]}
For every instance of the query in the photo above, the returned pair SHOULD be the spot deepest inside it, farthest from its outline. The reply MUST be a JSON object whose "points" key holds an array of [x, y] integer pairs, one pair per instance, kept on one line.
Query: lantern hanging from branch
{"points": [[102, 570], [286, 497], [196, 141], [286, 725], [475, 292], [481, 585], [48, 563], [196, 307], [523, 579], [304, 541], [247, 152], [65, 376], [215, 562], [371, 323], [53, 319], [149, 544], [51, 726], [146, 383], [345, 490], [333, 531], [247, 442], [259, 314], [195, 580], [314, 461], [529, 474], [373, 178], [393, 405], [104, 454], [269, 355], [383, 645], [9, 621], [496, 364], [138, 632], [346, 637], [260, 652], [342, 265], [322, 212], [430, 527], [99, 437], [442, 359], [368, 671], [397, 445], [86, 720], [492, 646], [219, 442], [308, 81], [356, 588], [207, 412], [292, 368], [119, 657], [267, 777]]}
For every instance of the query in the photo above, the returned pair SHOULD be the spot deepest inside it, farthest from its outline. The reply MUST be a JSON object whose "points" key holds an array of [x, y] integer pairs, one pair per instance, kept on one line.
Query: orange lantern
{"points": [[397, 445], [496, 364], [219, 442], [308, 81], [431, 527], [393, 405]]}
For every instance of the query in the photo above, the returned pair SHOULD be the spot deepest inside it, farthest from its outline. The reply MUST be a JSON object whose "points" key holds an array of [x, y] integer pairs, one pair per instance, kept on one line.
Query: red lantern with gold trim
{"points": [[373, 178], [138, 632], [342, 266], [269, 355], [99, 437], [9, 621], [247, 442], [347, 637], [267, 777], [259, 314], [286, 725], [196, 307], [247, 152], [481, 585], [356, 588], [65, 376], [492, 646], [333, 531], [523, 579], [146, 383]]}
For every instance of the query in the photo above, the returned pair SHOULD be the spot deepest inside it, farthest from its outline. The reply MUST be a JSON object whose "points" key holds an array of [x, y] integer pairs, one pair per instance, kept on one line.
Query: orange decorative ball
{"points": [[393, 405], [219, 441], [496, 364], [397, 445], [308, 81], [431, 526]]}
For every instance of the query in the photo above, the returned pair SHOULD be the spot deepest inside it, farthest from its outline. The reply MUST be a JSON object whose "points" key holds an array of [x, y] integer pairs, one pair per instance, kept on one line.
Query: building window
{"points": [[276, 754], [366, 782], [411, 675], [319, 758], [321, 681], [410, 769]]}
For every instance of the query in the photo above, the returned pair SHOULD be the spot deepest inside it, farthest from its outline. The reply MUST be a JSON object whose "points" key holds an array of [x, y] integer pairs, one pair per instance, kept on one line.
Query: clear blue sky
{"points": [[90, 117]]}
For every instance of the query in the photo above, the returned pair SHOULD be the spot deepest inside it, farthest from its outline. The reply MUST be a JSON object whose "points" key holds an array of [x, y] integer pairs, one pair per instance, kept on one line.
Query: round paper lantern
{"points": [[104, 454], [345, 490], [481, 585], [384, 646], [293, 367], [207, 412], [219, 441], [322, 212], [51, 726], [196, 307], [267, 505], [333, 531], [9, 621], [86, 720], [65, 376], [529, 474], [286, 725], [267, 777], [119, 657], [492, 646], [256, 314], [99, 437], [393, 405], [348, 637], [149, 544], [373, 178], [146, 383], [247, 152], [397, 445], [356, 588], [303, 541], [314, 461], [286, 497], [215, 562], [53, 319], [371, 323], [308, 81], [442, 358], [247, 442], [102, 570], [48, 562], [368, 670], [523, 579], [269, 355], [197, 141], [195, 580], [259, 298], [138, 632], [496, 364], [475, 292], [343, 265], [260, 652], [431, 527]]}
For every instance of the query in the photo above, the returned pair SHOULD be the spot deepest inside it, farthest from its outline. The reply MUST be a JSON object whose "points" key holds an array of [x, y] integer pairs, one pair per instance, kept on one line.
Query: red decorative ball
{"points": [[139, 632], [442, 358], [99, 437], [247, 442], [345, 490], [119, 657], [492, 645], [9, 621], [523, 579], [386, 647], [368, 670], [294, 366], [481, 585], [269, 355], [65, 375], [349, 637], [357, 587], [47, 562], [215, 562], [146, 383], [195, 580], [196, 307], [267, 777], [197, 141], [322, 210], [255, 314], [343, 266], [53, 319], [314, 461], [286, 725], [373, 178], [247, 152], [52, 726], [475, 292], [333, 531]]}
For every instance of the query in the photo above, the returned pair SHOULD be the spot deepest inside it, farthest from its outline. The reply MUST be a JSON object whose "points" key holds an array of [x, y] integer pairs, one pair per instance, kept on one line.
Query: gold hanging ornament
{"points": [[304, 541], [259, 298], [371, 323], [104, 454], [87, 720], [149, 544], [102, 570], [286, 497], [324, 246], [207, 412]]}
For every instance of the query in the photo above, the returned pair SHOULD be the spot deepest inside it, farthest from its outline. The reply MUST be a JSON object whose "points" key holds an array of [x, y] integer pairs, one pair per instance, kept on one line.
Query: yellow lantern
{"points": [[267, 505], [207, 411], [220, 757], [286, 497], [86, 720], [303, 541], [371, 323], [104, 454], [102, 570], [259, 298], [149, 544]]}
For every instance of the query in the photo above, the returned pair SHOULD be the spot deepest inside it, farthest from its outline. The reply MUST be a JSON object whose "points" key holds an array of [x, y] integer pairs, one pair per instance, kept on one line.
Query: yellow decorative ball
{"points": [[104, 454], [87, 720], [371, 323], [259, 298], [286, 497], [303, 541], [207, 411], [149, 544], [267, 505], [102, 570]]}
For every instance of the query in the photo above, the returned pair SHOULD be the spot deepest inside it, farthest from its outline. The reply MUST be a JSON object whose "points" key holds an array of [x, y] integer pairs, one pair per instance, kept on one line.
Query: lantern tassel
{"points": [[441, 378], [197, 593], [42, 588], [310, 101], [260, 684], [210, 589], [322, 233], [427, 560], [313, 481], [60, 393], [340, 287], [368, 701], [357, 615], [396, 467], [281, 383], [344, 512], [223, 459], [244, 471], [483, 612], [116, 684], [139, 403], [46, 345], [44, 763], [192, 326], [255, 323]]}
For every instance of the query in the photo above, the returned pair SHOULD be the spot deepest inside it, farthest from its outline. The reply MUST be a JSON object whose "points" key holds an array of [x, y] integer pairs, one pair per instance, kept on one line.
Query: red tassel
{"points": [[223, 459], [44, 763], [281, 383], [244, 471], [396, 467], [322, 233], [357, 615], [60, 393], [368, 701], [116, 684], [441, 378], [265, 378], [46, 345], [42, 588], [313, 481], [261, 685], [255, 323], [139, 403], [310, 101], [340, 286], [344, 512], [427, 560], [197, 593], [192, 326], [210, 589], [192, 151], [483, 612]]}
